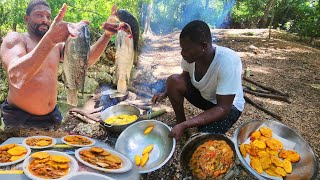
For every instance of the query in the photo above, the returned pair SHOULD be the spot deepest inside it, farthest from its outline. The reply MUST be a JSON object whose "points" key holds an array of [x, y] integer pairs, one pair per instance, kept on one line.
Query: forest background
{"points": [[160, 17]]}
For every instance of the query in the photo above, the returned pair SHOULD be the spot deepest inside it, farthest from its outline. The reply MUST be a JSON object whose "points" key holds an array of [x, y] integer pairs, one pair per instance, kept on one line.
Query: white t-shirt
{"points": [[223, 77]]}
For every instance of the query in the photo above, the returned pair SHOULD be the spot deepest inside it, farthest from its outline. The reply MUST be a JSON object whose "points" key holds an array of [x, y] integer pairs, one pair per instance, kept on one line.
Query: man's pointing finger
{"points": [[61, 14]]}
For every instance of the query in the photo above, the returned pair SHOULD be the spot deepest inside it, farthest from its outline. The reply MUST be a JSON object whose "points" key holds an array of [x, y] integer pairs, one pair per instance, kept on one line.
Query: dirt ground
{"points": [[284, 65]]}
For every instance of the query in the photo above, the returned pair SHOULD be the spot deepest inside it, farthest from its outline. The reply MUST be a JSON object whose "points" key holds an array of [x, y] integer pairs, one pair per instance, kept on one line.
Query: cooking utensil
{"points": [[118, 110], [195, 141], [132, 141], [306, 168], [14, 171]]}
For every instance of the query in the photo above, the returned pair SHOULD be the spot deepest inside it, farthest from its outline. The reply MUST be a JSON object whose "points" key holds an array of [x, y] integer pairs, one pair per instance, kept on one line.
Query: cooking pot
{"points": [[115, 111], [194, 142]]}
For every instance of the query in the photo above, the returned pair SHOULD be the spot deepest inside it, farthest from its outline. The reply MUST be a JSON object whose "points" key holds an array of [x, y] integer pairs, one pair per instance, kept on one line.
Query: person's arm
{"points": [[224, 104], [221, 110], [97, 49], [22, 66]]}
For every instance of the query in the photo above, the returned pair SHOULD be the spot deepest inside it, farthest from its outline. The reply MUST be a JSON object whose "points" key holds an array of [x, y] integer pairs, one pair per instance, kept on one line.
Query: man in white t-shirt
{"points": [[211, 81]]}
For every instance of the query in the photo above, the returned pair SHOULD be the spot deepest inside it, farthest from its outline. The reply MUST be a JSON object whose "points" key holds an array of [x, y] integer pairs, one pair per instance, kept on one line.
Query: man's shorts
{"points": [[13, 117], [193, 95]]}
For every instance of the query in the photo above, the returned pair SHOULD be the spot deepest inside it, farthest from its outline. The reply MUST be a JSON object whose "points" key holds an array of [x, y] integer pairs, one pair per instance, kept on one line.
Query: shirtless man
{"points": [[31, 61], [211, 81]]}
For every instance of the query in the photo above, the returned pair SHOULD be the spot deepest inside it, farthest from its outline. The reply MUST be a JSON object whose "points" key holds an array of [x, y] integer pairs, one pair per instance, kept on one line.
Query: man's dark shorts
{"points": [[13, 117], [193, 95]]}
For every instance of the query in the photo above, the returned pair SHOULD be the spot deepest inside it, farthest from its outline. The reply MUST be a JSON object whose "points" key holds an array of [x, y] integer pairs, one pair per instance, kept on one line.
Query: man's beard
{"points": [[38, 32]]}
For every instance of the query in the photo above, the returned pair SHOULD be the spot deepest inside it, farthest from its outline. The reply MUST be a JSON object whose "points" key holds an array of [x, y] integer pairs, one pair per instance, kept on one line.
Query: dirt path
{"points": [[286, 66]]}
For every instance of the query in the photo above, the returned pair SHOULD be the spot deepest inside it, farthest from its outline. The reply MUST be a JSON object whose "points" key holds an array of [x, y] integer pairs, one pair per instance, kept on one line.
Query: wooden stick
{"points": [[282, 98], [83, 118], [265, 87], [256, 89], [85, 114], [262, 108]]}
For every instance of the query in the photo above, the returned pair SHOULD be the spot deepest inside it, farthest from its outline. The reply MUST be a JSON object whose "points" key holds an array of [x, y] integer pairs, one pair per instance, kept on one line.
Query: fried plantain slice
{"points": [[280, 171], [255, 135], [293, 156], [274, 144], [17, 151], [275, 160], [265, 162], [243, 150], [259, 144], [59, 159], [265, 131], [43, 143], [7, 146], [96, 149], [113, 158], [40, 155], [256, 165], [287, 166], [14, 158]]}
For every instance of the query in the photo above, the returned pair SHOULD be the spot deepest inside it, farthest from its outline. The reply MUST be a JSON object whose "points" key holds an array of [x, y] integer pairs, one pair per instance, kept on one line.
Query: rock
{"points": [[90, 130]]}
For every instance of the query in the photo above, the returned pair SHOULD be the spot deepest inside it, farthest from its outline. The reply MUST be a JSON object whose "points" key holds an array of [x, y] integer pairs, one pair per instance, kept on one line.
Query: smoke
{"points": [[170, 15]]}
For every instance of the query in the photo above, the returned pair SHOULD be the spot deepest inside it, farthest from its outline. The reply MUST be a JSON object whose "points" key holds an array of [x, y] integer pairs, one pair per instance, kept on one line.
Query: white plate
{"points": [[88, 175], [19, 160], [75, 145], [72, 164], [39, 147], [126, 165]]}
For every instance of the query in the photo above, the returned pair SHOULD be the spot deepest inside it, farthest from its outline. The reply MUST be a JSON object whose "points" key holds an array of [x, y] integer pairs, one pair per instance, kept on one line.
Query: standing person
{"points": [[31, 60], [211, 81]]}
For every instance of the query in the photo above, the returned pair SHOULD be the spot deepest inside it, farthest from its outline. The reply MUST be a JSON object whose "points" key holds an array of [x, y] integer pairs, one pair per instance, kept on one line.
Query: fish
{"points": [[124, 59], [75, 63]]}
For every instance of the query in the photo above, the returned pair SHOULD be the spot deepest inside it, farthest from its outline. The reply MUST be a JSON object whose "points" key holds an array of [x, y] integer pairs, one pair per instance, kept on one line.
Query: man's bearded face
{"points": [[39, 20], [41, 29]]}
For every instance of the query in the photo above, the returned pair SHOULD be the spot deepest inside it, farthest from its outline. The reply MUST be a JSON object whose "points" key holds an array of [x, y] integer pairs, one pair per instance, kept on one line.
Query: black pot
{"points": [[195, 141]]}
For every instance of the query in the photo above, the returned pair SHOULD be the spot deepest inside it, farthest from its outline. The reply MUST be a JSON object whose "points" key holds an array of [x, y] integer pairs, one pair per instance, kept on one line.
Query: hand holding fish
{"points": [[58, 31], [113, 24]]}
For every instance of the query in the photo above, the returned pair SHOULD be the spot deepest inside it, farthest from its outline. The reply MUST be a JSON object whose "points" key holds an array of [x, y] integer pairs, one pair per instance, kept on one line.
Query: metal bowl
{"points": [[306, 168], [132, 141], [118, 110], [194, 142]]}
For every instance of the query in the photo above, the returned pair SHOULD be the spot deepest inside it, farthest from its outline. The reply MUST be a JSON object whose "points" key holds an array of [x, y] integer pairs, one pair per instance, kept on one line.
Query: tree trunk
{"points": [[207, 4], [264, 19], [147, 28], [272, 18]]}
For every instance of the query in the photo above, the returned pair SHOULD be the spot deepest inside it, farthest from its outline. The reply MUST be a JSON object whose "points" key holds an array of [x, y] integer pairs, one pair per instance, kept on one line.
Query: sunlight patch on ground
{"points": [[259, 69]]}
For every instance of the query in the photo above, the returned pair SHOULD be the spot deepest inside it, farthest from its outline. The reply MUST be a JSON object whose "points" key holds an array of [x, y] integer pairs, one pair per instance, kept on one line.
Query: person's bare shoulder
{"points": [[12, 46], [11, 39]]}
